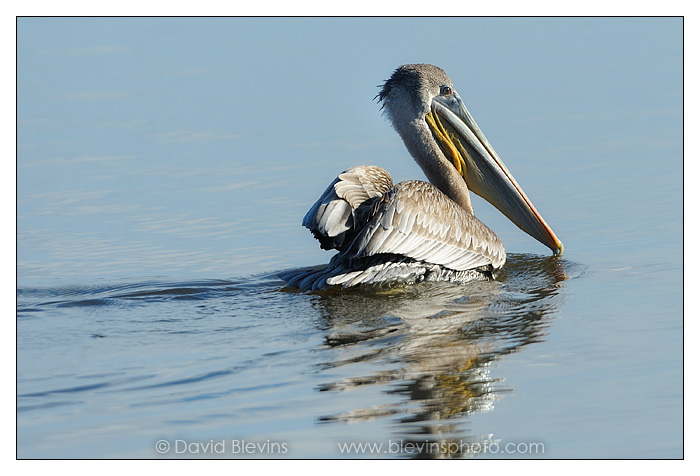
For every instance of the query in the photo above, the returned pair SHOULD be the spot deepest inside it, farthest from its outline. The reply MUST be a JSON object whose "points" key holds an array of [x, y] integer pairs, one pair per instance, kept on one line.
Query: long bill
{"points": [[485, 174]]}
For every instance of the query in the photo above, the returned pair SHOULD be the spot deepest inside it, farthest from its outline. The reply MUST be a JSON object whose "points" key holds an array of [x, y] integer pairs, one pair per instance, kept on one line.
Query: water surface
{"points": [[164, 166]]}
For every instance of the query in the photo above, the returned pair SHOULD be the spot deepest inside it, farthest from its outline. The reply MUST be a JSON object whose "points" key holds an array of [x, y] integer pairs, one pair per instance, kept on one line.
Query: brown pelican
{"points": [[416, 231]]}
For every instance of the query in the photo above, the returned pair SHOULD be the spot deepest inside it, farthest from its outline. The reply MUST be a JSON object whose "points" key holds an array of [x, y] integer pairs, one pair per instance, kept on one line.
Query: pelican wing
{"points": [[416, 220], [346, 205]]}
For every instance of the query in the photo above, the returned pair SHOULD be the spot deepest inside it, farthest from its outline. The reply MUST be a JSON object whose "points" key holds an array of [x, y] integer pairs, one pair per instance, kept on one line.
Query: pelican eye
{"points": [[445, 91]]}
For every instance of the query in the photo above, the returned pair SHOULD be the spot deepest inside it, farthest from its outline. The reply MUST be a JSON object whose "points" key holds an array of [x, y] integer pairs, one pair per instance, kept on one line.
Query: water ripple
{"points": [[429, 348]]}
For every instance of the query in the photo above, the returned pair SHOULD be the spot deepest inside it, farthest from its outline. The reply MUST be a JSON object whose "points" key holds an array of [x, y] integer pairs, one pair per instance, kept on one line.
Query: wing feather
{"points": [[345, 206], [416, 220]]}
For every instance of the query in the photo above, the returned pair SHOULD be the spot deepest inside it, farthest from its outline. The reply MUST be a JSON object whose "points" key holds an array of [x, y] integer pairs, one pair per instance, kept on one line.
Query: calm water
{"points": [[163, 170]]}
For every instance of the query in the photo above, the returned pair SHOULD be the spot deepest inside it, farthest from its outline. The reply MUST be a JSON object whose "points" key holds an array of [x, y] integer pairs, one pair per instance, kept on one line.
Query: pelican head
{"points": [[446, 142]]}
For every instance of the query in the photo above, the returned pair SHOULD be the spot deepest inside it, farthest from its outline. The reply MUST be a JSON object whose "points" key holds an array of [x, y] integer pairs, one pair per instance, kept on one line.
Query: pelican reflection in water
{"points": [[417, 231]]}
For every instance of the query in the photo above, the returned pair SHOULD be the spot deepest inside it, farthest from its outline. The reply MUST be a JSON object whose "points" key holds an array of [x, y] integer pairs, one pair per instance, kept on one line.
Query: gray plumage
{"points": [[405, 233]]}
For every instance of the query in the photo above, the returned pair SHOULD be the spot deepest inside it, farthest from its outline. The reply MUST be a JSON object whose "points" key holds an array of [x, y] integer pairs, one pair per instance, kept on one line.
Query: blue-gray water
{"points": [[164, 166]]}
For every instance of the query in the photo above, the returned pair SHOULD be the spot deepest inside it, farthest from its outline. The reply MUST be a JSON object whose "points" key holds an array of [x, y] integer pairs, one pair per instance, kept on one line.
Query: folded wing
{"points": [[363, 214], [416, 220], [346, 205]]}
